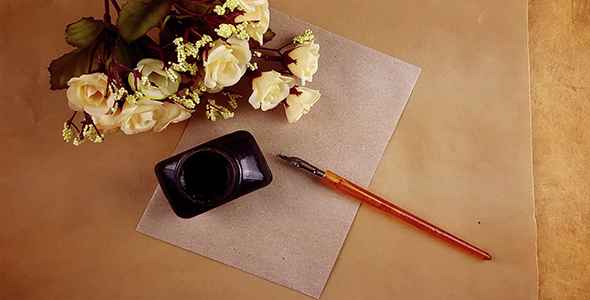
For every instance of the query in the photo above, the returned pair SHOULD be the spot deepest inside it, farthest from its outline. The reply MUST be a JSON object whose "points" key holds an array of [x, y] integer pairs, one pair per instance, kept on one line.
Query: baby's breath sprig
{"points": [[89, 131], [252, 66], [189, 98], [132, 99], [185, 49], [213, 109], [304, 38], [232, 98], [67, 132], [226, 30], [228, 5]]}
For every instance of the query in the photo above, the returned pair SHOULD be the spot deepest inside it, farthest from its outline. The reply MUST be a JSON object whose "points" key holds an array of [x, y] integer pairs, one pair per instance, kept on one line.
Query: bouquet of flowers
{"points": [[121, 77]]}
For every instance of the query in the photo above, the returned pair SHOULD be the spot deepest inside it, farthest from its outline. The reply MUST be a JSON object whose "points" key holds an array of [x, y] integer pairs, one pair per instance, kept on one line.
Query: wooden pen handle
{"points": [[336, 182]]}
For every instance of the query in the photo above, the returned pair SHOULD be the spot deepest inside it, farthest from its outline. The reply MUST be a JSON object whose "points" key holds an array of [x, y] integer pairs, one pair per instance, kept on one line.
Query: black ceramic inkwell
{"points": [[213, 173]]}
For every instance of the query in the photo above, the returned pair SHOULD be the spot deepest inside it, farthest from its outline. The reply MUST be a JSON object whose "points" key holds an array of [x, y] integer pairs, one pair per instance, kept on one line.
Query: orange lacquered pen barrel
{"points": [[336, 182]]}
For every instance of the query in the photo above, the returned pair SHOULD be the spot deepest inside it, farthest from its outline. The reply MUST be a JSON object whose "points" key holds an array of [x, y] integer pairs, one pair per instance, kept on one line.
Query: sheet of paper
{"points": [[292, 231]]}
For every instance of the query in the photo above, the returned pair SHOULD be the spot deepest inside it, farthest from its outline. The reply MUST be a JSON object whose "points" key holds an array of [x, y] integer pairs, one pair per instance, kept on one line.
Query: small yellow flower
{"points": [[189, 99], [252, 66], [67, 133], [78, 141], [219, 9], [91, 134], [213, 109], [225, 30], [232, 99], [184, 50], [304, 38]]}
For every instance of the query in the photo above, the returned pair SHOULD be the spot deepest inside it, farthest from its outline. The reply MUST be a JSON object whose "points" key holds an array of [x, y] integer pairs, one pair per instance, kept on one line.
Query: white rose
{"points": [[131, 118], [159, 85], [250, 5], [300, 102], [270, 89], [87, 93], [259, 16], [105, 123], [225, 63], [305, 61], [170, 113]]}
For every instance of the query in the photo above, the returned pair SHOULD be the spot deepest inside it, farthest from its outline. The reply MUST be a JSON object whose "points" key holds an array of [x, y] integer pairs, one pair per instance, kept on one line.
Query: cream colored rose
{"points": [[300, 102], [269, 89], [250, 5], [87, 93], [305, 63], [225, 63], [170, 113], [258, 18], [159, 84], [105, 123], [131, 118]]}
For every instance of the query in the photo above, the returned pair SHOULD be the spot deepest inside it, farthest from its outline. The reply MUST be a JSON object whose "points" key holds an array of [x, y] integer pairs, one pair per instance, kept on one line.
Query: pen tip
{"points": [[283, 157]]}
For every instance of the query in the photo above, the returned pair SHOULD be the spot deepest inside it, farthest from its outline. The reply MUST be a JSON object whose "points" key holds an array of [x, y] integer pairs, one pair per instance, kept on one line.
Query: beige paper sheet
{"points": [[291, 231]]}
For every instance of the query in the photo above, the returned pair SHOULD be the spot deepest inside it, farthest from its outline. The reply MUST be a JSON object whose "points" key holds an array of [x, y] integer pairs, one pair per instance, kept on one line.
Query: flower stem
{"points": [[69, 121], [271, 58], [193, 30], [122, 66], [75, 127], [89, 121], [107, 13], [116, 6], [92, 53], [268, 49]]}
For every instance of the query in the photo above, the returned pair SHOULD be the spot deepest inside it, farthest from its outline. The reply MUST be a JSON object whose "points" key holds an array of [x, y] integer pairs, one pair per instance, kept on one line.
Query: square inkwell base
{"points": [[213, 173]]}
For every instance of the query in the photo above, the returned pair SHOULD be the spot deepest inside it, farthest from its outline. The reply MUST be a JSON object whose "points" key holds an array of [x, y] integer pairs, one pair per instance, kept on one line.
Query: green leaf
{"points": [[126, 53], [139, 16], [73, 64], [268, 35], [82, 33]]}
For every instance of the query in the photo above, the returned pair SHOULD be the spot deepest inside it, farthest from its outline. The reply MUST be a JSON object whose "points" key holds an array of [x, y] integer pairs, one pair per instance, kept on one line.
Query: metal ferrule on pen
{"points": [[302, 164]]}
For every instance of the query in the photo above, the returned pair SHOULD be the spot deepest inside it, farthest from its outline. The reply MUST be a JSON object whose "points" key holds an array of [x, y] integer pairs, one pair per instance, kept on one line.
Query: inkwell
{"points": [[213, 173]]}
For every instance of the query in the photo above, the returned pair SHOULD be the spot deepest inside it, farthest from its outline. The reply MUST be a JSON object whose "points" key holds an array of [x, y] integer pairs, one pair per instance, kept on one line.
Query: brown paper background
{"points": [[67, 229]]}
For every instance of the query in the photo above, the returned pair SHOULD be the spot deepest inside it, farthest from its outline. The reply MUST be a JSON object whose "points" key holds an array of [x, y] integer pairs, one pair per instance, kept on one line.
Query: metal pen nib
{"points": [[302, 164]]}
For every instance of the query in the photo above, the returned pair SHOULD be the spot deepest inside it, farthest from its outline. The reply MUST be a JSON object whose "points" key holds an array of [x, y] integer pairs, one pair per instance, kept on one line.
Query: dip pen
{"points": [[338, 183]]}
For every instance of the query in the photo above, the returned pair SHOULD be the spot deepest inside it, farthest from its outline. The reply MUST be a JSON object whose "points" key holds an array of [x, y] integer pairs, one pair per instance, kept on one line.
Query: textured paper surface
{"points": [[291, 231], [459, 155], [560, 93]]}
